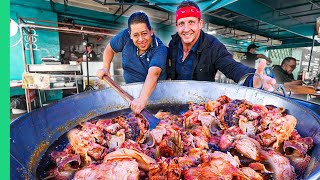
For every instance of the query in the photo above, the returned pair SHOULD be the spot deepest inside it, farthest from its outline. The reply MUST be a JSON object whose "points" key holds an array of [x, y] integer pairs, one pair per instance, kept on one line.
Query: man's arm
{"points": [[107, 58], [150, 83], [264, 57], [293, 82]]}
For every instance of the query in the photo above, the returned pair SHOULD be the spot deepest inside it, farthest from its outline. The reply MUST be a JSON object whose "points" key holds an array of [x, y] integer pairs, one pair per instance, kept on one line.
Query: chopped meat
{"points": [[228, 137], [278, 132], [158, 133], [300, 146], [143, 160], [81, 142], [220, 166], [221, 139], [280, 165], [129, 144], [251, 174], [116, 140], [205, 118], [94, 131], [66, 161], [230, 117], [247, 126], [110, 170], [259, 167], [300, 164], [249, 149]]}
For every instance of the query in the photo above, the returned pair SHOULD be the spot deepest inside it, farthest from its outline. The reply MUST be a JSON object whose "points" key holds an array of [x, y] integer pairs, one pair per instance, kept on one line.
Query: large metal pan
{"points": [[32, 133]]}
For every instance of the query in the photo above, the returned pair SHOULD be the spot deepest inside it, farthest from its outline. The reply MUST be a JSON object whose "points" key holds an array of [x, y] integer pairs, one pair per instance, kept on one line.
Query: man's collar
{"points": [[154, 42]]}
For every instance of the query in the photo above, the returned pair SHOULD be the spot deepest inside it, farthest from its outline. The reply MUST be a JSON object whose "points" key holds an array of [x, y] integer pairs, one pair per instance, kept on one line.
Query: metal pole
{"points": [[30, 40], [23, 48], [64, 29], [25, 68], [313, 39]]}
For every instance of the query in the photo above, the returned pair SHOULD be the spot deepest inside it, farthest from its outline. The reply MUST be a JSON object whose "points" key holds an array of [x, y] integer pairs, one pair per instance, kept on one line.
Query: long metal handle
{"points": [[153, 121], [118, 89]]}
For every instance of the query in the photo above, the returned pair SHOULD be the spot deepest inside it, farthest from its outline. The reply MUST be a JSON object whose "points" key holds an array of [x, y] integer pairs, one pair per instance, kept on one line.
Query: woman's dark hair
{"points": [[138, 17], [287, 59], [187, 3]]}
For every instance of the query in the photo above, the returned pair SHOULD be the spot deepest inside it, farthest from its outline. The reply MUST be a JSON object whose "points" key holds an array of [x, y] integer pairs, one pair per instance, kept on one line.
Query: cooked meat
{"points": [[221, 139], [66, 161], [143, 160], [251, 174], [259, 167], [117, 169], [94, 131], [219, 166], [81, 142], [300, 164], [282, 170], [228, 137], [205, 118], [247, 126], [231, 118], [279, 131], [116, 140], [166, 169], [158, 133], [247, 148]]}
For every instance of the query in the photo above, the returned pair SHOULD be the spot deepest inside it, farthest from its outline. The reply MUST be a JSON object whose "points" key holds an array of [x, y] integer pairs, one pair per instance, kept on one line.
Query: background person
{"points": [[283, 73], [250, 58], [88, 54]]}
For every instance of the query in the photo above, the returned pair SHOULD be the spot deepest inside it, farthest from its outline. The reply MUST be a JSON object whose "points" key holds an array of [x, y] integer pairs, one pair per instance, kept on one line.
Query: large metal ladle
{"points": [[153, 121]]}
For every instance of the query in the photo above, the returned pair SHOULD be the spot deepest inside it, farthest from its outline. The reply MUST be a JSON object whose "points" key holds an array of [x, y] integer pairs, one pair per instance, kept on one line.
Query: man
{"points": [[250, 57], [195, 55], [89, 54], [143, 57], [283, 73]]}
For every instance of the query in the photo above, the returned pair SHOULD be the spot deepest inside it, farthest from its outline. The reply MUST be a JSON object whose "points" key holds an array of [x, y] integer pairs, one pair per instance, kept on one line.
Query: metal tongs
{"points": [[153, 121]]}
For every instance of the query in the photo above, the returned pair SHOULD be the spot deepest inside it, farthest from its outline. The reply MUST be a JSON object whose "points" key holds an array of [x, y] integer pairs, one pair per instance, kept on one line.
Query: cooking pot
{"points": [[32, 133]]}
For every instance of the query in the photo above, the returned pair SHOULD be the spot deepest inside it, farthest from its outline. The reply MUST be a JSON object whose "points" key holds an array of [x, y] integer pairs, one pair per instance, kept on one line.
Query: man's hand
{"points": [[269, 61], [268, 82], [103, 72], [137, 105], [296, 82]]}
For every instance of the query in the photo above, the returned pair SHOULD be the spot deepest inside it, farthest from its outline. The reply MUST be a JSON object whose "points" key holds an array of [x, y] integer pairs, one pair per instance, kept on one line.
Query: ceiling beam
{"points": [[266, 13]]}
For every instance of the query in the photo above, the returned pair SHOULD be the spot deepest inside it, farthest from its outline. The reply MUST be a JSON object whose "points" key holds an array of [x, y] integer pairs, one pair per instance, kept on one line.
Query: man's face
{"points": [[141, 36], [254, 50], [89, 48], [189, 29], [290, 66]]}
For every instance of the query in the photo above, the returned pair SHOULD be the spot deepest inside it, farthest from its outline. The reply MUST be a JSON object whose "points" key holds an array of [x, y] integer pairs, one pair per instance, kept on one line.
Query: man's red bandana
{"points": [[188, 11]]}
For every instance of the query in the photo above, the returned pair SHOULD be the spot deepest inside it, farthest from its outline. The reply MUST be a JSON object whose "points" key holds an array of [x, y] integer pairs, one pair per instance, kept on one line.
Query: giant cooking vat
{"points": [[32, 133]]}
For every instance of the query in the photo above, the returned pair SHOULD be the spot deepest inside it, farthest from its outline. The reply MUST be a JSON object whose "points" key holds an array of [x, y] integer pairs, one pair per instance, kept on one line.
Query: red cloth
{"points": [[188, 11]]}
